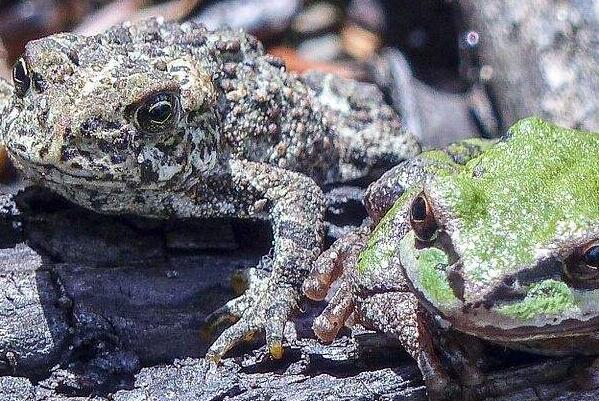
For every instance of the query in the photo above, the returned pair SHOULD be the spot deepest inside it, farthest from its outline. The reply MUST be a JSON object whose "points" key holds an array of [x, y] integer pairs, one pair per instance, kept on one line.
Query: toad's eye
{"points": [[591, 257], [157, 113], [21, 78], [583, 266], [422, 219]]}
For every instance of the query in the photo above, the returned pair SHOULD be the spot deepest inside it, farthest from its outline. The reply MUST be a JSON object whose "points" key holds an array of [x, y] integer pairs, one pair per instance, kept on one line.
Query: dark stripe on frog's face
{"points": [[514, 287], [536, 303]]}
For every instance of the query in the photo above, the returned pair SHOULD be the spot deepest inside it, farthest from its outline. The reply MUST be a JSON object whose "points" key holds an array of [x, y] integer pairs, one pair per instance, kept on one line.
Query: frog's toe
{"points": [[332, 263], [248, 280], [335, 315], [325, 271], [225, 315], [277, 315], [338, 263]]}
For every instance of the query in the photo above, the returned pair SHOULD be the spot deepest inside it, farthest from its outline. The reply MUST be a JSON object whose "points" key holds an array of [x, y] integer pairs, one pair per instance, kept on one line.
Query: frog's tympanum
{"points": [[166, 120], [489, 241]]}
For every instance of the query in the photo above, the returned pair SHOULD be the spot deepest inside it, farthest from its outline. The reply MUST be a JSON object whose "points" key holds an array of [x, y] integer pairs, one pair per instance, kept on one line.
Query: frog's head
{"points": [[508, 248], [123, 109]]}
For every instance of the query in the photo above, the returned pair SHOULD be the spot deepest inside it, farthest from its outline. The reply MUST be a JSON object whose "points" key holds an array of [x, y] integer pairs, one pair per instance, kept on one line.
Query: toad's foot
{"points": [[294, 205], [264, 306], [337, 263]]}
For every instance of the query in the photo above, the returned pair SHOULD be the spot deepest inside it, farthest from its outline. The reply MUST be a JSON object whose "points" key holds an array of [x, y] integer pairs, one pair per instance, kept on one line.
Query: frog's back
{"points": [[368, 132]]}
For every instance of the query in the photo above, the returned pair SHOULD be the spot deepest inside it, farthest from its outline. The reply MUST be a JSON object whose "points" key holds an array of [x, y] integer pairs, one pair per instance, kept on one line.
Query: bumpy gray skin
{"points": [[248, 140]]}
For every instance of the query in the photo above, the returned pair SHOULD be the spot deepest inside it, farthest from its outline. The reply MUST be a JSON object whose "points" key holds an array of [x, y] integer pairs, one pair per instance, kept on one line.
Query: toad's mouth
{"points": [[430, 274], [60, 176]]}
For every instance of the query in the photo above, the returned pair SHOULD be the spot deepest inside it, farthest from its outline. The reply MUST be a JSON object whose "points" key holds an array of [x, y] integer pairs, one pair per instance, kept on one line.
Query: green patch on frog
{"points": [[378, 251], [462, 151], [438, 156], [375, 256], [433, 277], [427, 269], [547, 298], [439, 163]]}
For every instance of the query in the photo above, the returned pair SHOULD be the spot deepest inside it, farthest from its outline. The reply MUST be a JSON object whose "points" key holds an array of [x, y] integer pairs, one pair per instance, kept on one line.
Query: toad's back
{"points": [[234, 100]]}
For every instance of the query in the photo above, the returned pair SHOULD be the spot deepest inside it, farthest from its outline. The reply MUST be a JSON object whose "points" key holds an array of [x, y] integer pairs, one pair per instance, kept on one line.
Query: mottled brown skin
{"points": [[166, 120], [383, 300]]}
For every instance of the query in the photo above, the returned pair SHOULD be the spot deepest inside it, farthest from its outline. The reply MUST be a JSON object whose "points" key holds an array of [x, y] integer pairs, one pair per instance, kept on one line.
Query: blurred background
{"points": [[334, 35], [451, 68]]}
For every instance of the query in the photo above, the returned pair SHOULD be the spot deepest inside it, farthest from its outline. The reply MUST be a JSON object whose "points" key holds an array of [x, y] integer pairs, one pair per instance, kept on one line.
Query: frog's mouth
{"points": [[553, 311]]}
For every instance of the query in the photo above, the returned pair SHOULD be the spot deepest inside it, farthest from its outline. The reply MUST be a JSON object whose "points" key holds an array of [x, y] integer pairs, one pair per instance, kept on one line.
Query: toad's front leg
{"points": [[295, 208]]}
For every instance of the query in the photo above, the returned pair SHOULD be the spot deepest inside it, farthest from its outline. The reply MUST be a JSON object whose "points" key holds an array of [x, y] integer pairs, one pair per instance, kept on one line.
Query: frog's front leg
{"points": [[361, 294], [295, 207], [386, 306], [336, 264], [399, 315]]}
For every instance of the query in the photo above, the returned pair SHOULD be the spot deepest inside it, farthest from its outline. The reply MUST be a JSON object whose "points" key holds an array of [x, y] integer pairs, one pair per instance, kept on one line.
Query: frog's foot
{"points": [[264, 306], [337, 263]]}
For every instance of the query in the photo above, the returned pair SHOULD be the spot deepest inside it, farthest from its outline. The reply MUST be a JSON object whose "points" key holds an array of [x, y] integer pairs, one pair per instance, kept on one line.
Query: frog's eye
{"points": [[157, 113], [583, 266], [21, 77], [422, 219]]}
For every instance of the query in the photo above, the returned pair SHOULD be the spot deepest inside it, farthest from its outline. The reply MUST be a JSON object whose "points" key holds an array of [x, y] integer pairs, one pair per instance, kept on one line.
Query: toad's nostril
{"points": [[456, 281]]}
